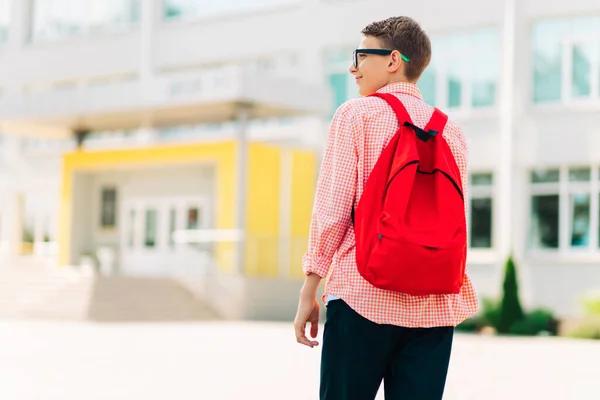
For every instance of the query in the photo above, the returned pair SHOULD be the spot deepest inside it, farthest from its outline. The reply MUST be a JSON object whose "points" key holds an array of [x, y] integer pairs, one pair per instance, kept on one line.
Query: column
{"points": [[505, 170], [4, 216], [20, 11], [243, 119], [150, 15], [15, 238], [285, 213], [19, 24], [524, 127]]}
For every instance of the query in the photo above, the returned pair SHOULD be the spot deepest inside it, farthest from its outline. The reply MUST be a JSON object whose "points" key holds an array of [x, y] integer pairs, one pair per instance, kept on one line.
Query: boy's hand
{"points": [[308, 311]]}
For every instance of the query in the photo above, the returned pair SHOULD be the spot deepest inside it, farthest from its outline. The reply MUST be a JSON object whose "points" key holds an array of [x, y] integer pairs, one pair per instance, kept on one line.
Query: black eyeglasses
{"points": [[379, 52]]}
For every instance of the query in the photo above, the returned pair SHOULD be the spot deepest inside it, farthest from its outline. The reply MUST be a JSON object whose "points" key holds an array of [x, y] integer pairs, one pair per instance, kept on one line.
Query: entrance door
{"points": [[147, 241]]}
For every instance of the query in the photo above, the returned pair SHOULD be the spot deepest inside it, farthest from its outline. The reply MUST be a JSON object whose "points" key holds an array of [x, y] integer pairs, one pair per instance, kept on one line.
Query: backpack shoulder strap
{"points": [[437, 123], [397, 106]]}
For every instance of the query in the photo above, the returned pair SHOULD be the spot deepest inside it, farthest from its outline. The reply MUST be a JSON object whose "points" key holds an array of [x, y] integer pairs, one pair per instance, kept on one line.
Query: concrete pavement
{"points": [[239, 360]]}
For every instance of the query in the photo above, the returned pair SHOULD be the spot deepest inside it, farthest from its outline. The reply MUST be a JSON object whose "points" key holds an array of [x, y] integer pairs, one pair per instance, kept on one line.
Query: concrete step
{"points": [[145, 299], [42, 293]]}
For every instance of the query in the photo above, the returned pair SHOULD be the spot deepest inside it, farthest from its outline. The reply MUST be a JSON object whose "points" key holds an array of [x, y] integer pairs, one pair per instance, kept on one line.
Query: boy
{"points": [[373, 334]]}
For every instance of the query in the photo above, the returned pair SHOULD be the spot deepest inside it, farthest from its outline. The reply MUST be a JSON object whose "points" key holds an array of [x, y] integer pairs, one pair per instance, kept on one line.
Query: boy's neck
{"points": [[398, 79]]}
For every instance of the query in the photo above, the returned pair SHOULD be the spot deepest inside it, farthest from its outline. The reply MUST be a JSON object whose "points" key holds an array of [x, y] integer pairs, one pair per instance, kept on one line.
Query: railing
{"points": [[205, 85]]}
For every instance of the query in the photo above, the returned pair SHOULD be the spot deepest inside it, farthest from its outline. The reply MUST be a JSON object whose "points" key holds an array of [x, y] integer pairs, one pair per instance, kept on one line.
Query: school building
{"points": [[182, 138]]}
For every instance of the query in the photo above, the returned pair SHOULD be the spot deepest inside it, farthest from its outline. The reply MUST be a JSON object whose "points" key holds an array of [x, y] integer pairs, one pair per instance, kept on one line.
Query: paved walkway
{"points": [[222, 361]]}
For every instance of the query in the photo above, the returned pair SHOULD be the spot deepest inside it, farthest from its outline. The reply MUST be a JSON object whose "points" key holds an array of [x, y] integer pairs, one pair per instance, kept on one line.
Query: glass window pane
{"points": [[471, 58], [582, 54], [545, 176], [454, 92], [580, 174], [150, 228], [172, 225], [4, 20], [426, 85], [547, 57], [585, 26], [580, 222], [486, 67], [132, 226], [177, 9], [484, 94], [544, 221], [107, 13], [481, 223], [338, 83], [108, 212], [449, 53], [55, 19], [193, 218], [339, 58], [482, 179]]}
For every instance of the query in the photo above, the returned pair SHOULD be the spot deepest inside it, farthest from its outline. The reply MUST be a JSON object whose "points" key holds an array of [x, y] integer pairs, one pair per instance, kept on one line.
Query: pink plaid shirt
{"points": [[360, 130]]}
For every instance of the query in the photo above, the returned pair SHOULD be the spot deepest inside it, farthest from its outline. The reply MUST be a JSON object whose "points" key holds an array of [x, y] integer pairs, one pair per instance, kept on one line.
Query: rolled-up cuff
{"points": [[315, 265]]}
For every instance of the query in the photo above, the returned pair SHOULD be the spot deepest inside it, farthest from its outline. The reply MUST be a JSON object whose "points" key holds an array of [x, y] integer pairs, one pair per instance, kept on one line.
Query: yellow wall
{"points": [[304, 177], [262, 224], [263, 202]]}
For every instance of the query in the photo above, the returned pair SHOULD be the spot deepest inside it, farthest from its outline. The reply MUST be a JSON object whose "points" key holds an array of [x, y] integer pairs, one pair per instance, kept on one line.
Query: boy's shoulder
{"points": [[365, 108], [361, 106]]}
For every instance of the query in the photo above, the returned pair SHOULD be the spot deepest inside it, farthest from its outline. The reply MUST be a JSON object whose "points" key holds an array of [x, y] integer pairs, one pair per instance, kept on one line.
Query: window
{"points": [[172, 226], [545, 221], [454, 90], [565, 59], [4, 20], [427, 84], [463, 73], [282, 65], [562, 202], [545, 209], [582, 55], [132, 226], [189, 9], [192, 221], [579, 206], [466, 69], [108, 205], [485, 73], [150, 228], [481, 211], [56, 19], [341, 82], [338, 84]]}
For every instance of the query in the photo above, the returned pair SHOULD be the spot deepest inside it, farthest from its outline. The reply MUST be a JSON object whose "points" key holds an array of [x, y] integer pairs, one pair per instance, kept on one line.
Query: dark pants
{"points": [[358, 354]]}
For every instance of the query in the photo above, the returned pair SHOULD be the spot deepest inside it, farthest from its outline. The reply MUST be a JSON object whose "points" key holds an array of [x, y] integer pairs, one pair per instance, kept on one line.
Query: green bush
{"points": [[534, 323], [510, 307], [543, 320], [490, 312], [507, 316], [469, 325], [588, 328], [487, 316], [591, 304]]}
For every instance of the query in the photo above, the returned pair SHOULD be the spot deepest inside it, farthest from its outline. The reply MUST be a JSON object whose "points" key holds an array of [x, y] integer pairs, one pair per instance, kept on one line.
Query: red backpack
{"points": [[410, 221]]}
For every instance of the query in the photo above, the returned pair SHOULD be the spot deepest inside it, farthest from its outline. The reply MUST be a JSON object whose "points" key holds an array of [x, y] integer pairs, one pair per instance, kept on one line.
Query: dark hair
{"points": [[405, 35]]}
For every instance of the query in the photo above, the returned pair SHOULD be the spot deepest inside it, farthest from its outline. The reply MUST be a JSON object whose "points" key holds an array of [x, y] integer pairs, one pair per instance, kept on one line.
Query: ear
{"points": [[395, 63]]}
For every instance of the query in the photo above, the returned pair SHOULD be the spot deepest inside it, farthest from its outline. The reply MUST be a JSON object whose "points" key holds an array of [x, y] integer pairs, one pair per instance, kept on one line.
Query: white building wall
{"points": [[294, 40]]}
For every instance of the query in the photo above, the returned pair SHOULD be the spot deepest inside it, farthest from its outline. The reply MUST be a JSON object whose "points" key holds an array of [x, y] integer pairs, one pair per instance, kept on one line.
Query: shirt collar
{"points": [[402, 87]]}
